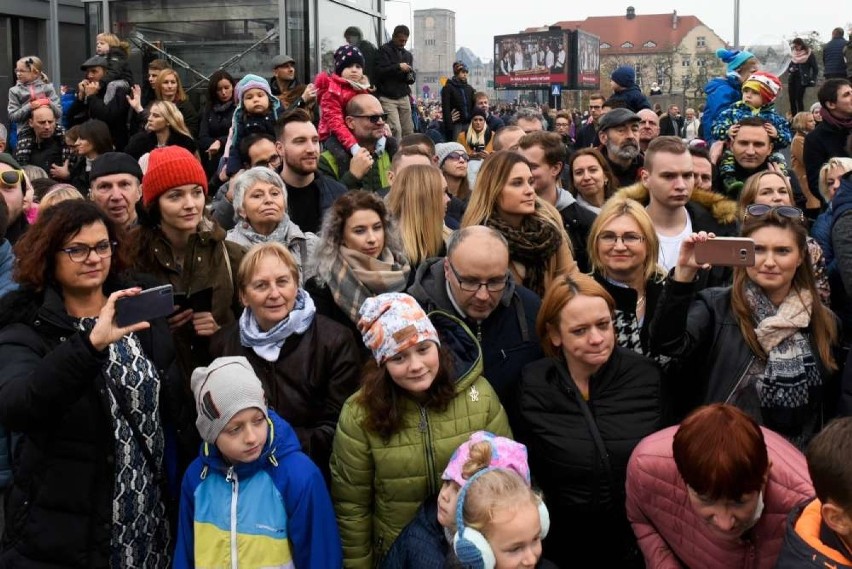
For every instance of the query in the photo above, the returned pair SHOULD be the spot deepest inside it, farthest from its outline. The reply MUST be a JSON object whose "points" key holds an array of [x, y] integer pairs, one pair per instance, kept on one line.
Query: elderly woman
{"points": [[260, 202], [93, 402], [307, 363], [165, 127], [592, 179], [714, 492], [579, 456]]}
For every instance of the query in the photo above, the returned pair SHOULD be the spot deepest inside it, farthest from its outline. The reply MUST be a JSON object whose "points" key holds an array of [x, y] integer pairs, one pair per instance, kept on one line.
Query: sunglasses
{"points": [[457, 156], [758, 210], [11, 178], [373, 118]]}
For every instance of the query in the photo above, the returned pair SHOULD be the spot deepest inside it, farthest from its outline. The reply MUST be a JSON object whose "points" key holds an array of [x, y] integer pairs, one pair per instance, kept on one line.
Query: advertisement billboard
{"points": [[587, 61], [533, 60]]}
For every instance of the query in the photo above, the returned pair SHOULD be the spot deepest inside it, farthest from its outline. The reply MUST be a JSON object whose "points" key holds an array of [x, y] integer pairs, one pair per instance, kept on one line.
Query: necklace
{"points": [[640, 302]]}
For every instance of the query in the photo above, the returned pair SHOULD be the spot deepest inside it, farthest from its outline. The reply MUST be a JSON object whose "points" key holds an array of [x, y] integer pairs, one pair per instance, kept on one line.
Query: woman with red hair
{"points": [[714, 492]]}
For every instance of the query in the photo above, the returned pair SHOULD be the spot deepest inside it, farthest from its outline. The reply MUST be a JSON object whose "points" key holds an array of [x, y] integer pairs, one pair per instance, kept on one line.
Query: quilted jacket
{"points": [[670, 533]]}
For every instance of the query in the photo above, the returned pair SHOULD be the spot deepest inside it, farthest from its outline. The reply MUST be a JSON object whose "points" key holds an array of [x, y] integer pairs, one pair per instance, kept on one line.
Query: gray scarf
{"points": [[268, 344]]}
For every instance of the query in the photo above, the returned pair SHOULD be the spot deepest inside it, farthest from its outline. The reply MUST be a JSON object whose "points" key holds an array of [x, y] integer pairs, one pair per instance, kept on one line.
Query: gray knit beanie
{"points": [[223, 389]]}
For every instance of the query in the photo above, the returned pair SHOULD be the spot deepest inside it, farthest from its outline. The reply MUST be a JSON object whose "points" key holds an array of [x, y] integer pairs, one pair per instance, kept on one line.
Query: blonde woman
{"points": [[830, 176], [418, 203], [505, 200], [167, 87], [477, 139], [165, 127]]}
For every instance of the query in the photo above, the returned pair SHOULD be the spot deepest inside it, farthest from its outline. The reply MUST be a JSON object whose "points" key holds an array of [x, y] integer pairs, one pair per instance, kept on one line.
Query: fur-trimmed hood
{"points": [[723, 210]]}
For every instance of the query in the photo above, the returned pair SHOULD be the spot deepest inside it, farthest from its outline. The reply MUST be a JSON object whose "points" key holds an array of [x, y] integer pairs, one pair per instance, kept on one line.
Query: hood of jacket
{"points": [[457, 338], [727, 82], [430, 287], [721, 208]]}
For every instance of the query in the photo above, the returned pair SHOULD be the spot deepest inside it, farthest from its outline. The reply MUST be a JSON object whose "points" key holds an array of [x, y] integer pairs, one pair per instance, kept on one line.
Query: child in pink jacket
{"points": [[335, 91]]}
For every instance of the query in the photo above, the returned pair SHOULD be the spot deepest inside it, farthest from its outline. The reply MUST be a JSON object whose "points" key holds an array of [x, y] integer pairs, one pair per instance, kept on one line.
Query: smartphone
{"points": [[149, 304], [726, 252]]}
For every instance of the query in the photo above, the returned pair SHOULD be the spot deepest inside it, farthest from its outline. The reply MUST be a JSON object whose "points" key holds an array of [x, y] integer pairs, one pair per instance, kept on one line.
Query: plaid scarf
{"points": [[355, 277], [532, 245]]}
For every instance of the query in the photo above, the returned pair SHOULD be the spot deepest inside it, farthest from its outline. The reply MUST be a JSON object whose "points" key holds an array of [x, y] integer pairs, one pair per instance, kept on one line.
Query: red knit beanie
{"points": [[170, 167]]}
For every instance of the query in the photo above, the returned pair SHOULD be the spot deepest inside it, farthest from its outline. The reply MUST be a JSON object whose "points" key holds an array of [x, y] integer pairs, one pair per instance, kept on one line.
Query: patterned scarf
{"points": [[268, 344], [790, 372], [532, 245], [355, 277]]}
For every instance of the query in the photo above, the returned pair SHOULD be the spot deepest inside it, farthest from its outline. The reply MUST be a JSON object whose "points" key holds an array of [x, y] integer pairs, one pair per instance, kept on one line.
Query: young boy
{"points": [[252, 492], [819, 533], [335, 91], [256, 113], [625, 89]]}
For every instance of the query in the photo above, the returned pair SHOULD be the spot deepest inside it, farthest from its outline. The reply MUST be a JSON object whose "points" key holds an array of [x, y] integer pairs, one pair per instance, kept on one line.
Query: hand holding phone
{"points": [[148, 305], [725, 252]]}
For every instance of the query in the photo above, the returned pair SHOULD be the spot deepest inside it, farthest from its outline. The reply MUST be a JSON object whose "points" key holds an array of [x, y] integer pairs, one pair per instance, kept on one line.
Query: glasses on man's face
{"points": [[472, 285], [595, 107], [271, 162], [373, 118], [629, 239], [11, 178], [457, 156], [562, 125], [758, 210], [79, 253]]}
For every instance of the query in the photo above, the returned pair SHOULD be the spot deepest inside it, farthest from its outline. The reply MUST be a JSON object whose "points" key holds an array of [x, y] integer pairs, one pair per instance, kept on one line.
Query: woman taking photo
{"points": [[417, 201], [477, 138], [90, 399], [178, 246], [216, 120], [578, 457], [93, 139], [165, 127], [592, 180], [801, 74], [260, 202], [421, 397], [505, 200], [764, 344], [308, 364], [359, 256], [802, 124]]}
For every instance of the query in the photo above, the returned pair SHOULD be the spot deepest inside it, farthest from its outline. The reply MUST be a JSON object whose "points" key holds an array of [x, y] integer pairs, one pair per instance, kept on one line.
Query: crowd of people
{"points": [[486, 342]]}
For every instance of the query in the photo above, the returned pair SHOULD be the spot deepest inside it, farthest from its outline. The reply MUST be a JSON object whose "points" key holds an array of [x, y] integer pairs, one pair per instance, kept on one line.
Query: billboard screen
{"points": [[587, 61], [533, 60]]}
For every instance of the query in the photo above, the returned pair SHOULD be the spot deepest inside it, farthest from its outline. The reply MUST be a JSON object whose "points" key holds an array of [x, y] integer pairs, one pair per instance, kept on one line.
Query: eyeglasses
{"points": [[457, 156], [11, 178], [595, 107], [628, 239], [373, 118], [273, 161], [562, 125], [79, 253], [758, 210], [473, 285]]}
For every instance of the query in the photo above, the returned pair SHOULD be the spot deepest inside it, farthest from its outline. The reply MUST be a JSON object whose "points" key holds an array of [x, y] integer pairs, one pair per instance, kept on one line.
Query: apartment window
{"points": [[699, 62], [605, 45], [649, 45], [700, 41], [626, 45], [685, 62]]}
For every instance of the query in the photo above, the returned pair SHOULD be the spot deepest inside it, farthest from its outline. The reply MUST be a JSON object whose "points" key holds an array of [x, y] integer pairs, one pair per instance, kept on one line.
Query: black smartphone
{"points": [[149, 304], [201, 300]]}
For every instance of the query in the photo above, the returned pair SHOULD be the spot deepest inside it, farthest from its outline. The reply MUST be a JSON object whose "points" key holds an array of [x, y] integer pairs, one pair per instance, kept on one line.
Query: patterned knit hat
{"points": [[170, 167], [345, 56], [766, 84], [251, 82], [733, 59], [444, 149], [223, 389], [505, 453], [393, 322]]}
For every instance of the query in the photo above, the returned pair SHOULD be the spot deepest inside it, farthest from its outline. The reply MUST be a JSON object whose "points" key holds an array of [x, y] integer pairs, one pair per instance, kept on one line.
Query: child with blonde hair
{"points": [[116, 51], [31, 91]]}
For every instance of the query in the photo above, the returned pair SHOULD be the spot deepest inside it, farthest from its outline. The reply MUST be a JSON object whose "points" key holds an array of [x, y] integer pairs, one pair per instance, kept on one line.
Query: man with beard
{"points": [[618, 134], [649, 128], [457, 98], [102, 100], [44, 144], [309, 193], [368, 169], [828, 139]]}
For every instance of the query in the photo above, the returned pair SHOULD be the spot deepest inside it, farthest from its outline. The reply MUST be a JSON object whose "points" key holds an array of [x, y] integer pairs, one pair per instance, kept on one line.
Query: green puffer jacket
{"points": [[377, 485]]}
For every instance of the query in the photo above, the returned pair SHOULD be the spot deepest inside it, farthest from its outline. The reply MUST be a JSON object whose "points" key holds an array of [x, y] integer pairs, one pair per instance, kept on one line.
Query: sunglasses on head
{"points": [[11, 178], [373, 118], [758, 210]]}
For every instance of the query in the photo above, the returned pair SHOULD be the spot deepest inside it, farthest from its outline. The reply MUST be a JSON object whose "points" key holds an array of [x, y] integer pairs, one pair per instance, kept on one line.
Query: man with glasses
{"points": [[587, 135], [368, 168], [12, 185], [474, 282]]}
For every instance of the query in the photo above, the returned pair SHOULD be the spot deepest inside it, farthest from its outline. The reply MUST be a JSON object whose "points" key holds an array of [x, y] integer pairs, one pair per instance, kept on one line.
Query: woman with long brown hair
{"points": [[592, 179]]}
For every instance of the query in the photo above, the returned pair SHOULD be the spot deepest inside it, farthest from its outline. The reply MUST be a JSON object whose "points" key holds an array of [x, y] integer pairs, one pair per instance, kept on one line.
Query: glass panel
{"points": [[7, 72], [333, 20]]}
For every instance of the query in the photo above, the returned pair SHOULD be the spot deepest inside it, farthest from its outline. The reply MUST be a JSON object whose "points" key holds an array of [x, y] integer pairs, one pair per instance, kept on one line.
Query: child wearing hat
{"points": [[252, 493], [335, 90], [422, 398], [759, 93], [256, 113], [625, 89]]}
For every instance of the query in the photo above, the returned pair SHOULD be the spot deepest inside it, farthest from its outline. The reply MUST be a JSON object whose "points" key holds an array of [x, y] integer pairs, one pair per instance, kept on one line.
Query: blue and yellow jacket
{"points": [[274, 512]]}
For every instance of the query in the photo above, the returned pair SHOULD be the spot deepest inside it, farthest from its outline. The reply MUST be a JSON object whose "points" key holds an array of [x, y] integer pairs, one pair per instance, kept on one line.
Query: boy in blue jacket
{"points": [[252, 498]]}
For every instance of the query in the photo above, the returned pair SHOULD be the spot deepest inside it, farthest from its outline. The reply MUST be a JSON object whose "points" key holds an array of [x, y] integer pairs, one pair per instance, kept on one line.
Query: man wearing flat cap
{"points": [[285, 86], [457, 100], [115, 186], [618, 134], [97, 99]]}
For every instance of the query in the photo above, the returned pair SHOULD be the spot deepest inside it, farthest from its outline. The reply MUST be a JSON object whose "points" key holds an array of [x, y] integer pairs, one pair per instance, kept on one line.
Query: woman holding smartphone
{"points": [[765, 344]]}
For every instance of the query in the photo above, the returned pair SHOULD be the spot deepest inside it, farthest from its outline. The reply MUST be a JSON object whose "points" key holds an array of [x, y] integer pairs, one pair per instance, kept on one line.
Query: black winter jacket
{"points": [[422, 544], [583, 489], [108, 105], [823, 143], [144, 142], [391, 81], [52, 391], [456, 96], [215, 125], [308, 384]]}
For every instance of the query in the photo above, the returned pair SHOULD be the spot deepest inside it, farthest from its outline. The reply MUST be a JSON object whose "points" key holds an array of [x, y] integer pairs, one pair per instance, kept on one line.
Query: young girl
{"points": [[257, 110], [335, 91], [116, 52], [32, 90], [423, 397]]}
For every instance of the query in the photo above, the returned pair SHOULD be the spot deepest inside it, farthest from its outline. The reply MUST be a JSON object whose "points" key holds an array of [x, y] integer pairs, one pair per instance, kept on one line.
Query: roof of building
{"points": [[466, 54]]}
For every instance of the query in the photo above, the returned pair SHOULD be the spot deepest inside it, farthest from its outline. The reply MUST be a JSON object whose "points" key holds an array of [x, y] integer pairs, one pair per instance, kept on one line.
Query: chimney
{"points": [[631, 12], [674, 20]]}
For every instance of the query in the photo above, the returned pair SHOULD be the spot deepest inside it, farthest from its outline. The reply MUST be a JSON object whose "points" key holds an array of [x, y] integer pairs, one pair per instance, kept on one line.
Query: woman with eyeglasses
{"points": [[165, 127], [453, 161], [772, 189], [581, 411], [177, 245], [359, 256], [260, 202], [94, 402], [592, 179], [765, 344], [505, 200]]}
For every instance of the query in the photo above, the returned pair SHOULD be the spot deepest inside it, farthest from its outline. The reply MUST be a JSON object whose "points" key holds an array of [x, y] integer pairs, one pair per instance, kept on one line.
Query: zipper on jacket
{"points": [[430, 459], [235, 491]]}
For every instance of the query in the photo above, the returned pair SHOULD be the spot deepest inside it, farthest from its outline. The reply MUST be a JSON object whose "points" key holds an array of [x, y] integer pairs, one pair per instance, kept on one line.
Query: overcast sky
{"points": [[478, 21]]}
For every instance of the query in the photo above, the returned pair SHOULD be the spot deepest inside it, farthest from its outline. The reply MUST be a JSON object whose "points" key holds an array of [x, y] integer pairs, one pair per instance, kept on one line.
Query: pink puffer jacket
{"points": [[670, 533]]}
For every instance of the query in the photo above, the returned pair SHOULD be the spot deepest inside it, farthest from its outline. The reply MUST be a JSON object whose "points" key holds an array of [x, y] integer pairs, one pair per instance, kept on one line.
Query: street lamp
{"points": [[736, 24]]}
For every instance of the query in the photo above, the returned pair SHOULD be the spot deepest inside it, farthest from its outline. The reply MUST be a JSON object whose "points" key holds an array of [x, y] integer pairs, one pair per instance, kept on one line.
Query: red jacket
{"points": [[334, 92], [670, 533]]}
